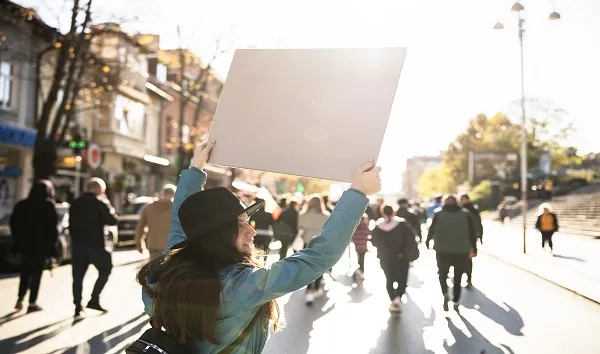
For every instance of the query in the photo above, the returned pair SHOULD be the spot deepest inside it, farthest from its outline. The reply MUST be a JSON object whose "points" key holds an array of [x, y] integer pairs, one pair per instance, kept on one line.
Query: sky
{"points": [[457, 66]]}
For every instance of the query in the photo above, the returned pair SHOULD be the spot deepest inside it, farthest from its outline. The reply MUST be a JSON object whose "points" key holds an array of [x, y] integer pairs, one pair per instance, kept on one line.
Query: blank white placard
{"points": [[318, 113]]}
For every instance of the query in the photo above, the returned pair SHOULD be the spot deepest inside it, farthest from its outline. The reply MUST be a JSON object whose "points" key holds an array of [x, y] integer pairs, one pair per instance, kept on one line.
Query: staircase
{"points": [[577, 212]]}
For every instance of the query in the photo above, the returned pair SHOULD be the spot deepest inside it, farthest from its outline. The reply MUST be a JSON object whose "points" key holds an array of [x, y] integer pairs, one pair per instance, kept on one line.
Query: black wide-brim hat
{"points": [[206, 211]]}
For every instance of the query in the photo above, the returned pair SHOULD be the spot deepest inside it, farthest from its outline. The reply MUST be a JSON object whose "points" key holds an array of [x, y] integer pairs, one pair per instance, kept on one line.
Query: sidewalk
{"points": [[574, 265]]}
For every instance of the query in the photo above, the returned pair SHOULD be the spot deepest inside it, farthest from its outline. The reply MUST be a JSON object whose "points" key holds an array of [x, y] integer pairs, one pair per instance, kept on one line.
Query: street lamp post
{"points": [[518, 8]]}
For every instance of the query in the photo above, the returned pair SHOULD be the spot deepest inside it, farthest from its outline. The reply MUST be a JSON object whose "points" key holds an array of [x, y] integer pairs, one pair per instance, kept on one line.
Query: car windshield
{"points": [[135, 208]]}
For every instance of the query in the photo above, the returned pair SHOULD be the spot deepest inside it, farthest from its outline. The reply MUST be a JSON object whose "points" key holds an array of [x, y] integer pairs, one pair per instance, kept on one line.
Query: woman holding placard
{"points": [[208, 290]]}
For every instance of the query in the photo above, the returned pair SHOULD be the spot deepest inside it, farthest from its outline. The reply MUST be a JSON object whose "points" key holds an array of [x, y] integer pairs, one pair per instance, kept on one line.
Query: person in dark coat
{"points": [[396, 248], [455, 242], [465, 202], [263, 225], [87, 217], [410, 216], [286, 228], [33, 225]]}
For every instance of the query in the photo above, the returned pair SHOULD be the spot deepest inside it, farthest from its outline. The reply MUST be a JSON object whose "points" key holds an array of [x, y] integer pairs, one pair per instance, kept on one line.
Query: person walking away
{"points": [[396, 248], [263, 225], [33, 225], [360, 238], [376, 209], [157, 218], [286, 228], [465, 202], [547, 223], [410, 216], [310, 222], [87, 217], [226, 299], [434, 206], [455, 241]]}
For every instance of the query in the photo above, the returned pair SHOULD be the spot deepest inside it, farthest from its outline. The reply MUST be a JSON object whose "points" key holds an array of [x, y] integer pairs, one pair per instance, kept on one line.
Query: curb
{"points": [[597, 301]]}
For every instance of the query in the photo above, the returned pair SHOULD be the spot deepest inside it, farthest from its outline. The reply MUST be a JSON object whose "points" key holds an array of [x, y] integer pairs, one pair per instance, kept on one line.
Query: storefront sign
{"points": [[17, 136]]}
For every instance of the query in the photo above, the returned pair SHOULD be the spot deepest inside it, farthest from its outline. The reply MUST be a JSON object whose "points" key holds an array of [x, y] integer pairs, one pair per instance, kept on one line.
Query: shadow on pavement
{"points": [[414, 281], [99, 343], [570, 258], [299, 324], [404, 333], [11, 316], [357, 293], [476, 343], [140, 262], [17, 343], [510, 319]]}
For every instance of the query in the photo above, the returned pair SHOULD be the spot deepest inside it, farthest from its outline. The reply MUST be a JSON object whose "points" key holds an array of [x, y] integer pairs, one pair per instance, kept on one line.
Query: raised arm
{"points": [[190, 182], [254, 287]]}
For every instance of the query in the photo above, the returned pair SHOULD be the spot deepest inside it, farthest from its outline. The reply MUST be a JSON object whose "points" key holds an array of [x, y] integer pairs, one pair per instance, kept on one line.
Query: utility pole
{"points": [[524, 184]]}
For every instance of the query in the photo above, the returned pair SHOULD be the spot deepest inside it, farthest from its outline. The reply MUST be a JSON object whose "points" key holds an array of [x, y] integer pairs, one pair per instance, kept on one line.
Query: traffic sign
{"points": [[94, 156]]}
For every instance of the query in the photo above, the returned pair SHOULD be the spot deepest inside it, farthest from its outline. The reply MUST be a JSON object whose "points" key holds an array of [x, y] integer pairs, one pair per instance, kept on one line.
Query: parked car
{"points": [[129, 218], [63, 243]]}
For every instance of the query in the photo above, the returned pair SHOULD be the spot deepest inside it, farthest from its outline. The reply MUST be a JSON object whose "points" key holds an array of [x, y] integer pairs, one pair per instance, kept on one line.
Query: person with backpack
{"points": [[454, 234], [208, 291], [396, 248], [547, 224]]}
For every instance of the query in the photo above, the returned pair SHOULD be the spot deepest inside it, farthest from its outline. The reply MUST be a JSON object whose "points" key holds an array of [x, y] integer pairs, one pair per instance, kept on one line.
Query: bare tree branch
{"points": [[79, 46]]}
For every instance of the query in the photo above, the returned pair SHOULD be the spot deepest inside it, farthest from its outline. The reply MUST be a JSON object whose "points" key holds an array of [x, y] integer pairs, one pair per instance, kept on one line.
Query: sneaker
{"points": [[446, 300], [33, 308], [456, 306], [395, 306], [19, 305], [95, 305], [358, 275], [310, 298], [469, 284], [398, 302], [78, 311]]}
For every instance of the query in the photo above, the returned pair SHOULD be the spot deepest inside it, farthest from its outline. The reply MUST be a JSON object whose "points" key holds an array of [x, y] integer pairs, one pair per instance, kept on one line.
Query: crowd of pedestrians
{"points": [[208, 249]]}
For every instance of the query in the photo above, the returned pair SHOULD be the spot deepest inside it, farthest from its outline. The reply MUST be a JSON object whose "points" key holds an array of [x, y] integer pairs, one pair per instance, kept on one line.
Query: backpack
{"points": [[160, 342]]}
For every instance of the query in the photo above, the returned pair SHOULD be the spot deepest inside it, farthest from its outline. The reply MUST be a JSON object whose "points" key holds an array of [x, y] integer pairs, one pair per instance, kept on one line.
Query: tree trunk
{"points": [[44, 160]]}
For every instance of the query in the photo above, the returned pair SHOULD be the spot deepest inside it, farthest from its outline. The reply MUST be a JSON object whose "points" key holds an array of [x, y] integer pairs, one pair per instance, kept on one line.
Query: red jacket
{"points": [[360, 237]]}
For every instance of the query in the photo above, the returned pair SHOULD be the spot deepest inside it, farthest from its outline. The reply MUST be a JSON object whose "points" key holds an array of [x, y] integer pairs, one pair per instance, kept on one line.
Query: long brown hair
{"points": [[315, 202], [185, 285]]}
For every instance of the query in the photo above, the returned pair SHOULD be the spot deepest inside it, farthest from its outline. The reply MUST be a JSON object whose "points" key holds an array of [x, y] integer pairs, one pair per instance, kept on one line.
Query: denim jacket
{"points": [[245, 289]]}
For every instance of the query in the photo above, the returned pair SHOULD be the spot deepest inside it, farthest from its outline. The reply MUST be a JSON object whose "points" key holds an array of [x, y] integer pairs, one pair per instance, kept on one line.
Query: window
{"points": [[8, 86], [130, 116], [161, 72]]}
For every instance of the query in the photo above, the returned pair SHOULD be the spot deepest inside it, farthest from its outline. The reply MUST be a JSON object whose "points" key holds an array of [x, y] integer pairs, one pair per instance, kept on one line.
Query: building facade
{"points": [[415, 166], [22, 36]]}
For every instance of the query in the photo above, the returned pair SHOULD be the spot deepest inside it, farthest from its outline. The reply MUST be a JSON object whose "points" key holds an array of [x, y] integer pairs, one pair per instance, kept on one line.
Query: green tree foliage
{"points": [[436, 181], [481, 195], [483, 134]]}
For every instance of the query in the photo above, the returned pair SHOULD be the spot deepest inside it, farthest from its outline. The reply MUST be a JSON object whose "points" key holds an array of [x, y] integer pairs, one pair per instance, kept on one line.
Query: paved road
{"points": [[509, 311]]}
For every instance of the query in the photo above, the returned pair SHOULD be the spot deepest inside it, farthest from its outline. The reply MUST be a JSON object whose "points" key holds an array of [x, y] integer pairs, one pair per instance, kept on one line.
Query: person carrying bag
{"points": [[209, 285]]}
